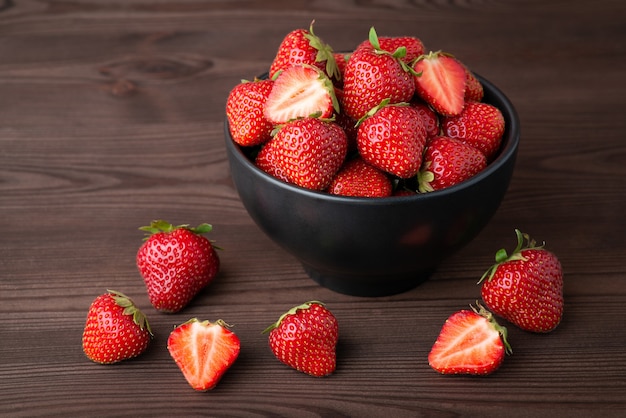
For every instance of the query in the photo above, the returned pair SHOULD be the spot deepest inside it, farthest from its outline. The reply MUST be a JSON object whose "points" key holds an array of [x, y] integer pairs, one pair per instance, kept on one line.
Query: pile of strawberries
{"points": [[386, 119]]}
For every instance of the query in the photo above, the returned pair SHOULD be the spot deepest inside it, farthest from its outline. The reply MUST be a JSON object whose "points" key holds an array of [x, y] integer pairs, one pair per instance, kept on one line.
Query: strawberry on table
{"points": [[470, 342], [358, 178], [448, 161], [176, 262], [480, 125], [392, 138], [372, 75], [525, 287], [305, 338], [115, 329], [440, 80], [306, 152], [203, 351], [302, 46], [300, 91], [244, 111]]}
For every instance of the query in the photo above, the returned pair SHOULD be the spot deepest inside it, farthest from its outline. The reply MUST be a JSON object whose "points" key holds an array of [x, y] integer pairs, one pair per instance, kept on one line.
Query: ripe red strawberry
{"points": [[302, 46], [474, 91], [440, 81], [526, 287], [414, 46], [358, 178], [115, 329], [449, 161], [306, 152], [373, 75], [176, 262], [300, 91], [203, 351], [470, 342], [244, 110], [392, 138], [480, 125], [305, 338], [430, 118]]}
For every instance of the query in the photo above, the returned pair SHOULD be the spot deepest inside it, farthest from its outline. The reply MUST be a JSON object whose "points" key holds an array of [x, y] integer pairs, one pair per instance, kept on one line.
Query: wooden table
{"points": [[111, 115]]}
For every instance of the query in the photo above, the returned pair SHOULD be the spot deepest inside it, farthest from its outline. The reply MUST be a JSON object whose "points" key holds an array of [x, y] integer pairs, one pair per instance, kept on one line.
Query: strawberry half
{"points": [[526, 287], [440, 81], [470, 342], [305, 338], [300, 91], [115, 329], [203, 351], [176, 262]]}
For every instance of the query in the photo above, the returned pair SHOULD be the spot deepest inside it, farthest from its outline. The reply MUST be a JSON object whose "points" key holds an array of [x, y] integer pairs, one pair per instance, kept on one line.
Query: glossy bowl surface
{"points": [[382, 246]]}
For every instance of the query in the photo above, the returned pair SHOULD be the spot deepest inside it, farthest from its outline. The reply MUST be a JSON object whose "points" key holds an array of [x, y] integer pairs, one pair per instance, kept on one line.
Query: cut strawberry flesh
{"points": [[441, 83], [299, 91], [203, 351]]}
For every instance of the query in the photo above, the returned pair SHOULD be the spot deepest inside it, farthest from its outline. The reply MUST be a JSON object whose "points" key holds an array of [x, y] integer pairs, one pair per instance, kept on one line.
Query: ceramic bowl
{"points": [[376, 246]]}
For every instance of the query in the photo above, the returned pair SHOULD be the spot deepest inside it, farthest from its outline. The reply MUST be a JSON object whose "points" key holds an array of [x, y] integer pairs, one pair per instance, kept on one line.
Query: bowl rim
{"points": [[512, 134]]}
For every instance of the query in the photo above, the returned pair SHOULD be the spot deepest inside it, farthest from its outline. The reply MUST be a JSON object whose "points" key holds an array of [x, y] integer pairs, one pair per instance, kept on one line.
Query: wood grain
{"points": [[111, 115]]}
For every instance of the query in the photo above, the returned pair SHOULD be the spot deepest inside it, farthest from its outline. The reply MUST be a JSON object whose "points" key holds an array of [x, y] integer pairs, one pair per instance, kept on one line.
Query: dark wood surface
{"points": [[111, 115]]}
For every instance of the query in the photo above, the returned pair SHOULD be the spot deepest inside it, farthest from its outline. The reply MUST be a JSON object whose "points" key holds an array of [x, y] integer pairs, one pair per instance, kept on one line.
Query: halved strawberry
{"points": [[441, 82], [300, 91], [470, 342], [203, 351]]}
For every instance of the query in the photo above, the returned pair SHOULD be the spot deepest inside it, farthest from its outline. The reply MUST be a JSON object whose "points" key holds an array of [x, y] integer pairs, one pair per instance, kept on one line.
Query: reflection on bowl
{"points": [[376, 246]]}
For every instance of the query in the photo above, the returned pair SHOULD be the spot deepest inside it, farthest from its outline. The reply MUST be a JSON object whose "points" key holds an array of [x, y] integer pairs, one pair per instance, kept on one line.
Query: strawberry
{"points": [[358, 178], [176, 262], [470, 342], [305, 338], [440, 81], [302, 46], [448, 161], [413, 46], [300, 91], [392, 138], [244, 111], [480, 125], [203, 351], [526, 287], [115, 329], [474, 91], [372, 75], [306, 152], [429, 116]]}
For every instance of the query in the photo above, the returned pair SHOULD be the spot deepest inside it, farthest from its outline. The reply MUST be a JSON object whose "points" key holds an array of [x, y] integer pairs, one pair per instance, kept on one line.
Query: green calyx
{"points": [[398, 54], [291, 311], [324, 53], [524, 242], [383, 103], [130, 309], [424, 178], [482, 311], [158, 226]]}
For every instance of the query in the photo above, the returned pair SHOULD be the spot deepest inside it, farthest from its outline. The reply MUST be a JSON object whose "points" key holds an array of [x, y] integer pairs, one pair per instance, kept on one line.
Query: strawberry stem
{"points": [[291, 311], [130, 309], [158, 226]]}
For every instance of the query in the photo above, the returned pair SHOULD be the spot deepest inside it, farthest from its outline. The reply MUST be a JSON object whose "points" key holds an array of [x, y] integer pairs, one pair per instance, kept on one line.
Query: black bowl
{"points": [[376, 246]]}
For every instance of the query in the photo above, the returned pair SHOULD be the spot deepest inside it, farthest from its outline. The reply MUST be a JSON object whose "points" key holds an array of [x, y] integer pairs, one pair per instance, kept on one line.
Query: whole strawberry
{"points": [[470, 342], [360, 179], [414, 46], [305, 338], [392, 138], [448, 161], [306, 152], [115, 329], [244, 111], [526, 287], [480, 125], [372, 75], [302, 46], [176, 262]]}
